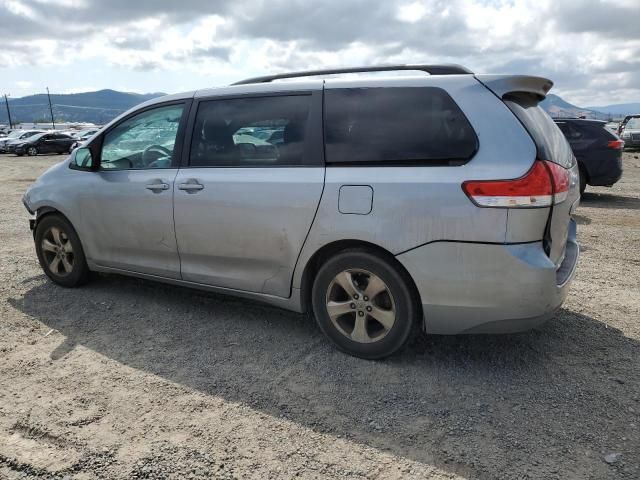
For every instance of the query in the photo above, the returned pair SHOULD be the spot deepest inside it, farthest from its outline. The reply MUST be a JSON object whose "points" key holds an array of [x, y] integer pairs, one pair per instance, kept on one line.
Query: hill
{"points": [[619, 108], [95, 107], [101, 106], [558, 107]]}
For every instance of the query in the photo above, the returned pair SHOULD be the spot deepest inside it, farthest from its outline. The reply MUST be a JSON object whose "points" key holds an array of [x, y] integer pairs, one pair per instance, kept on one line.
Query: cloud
{"points": [[591, 52], [23, 84], [614, 19]]}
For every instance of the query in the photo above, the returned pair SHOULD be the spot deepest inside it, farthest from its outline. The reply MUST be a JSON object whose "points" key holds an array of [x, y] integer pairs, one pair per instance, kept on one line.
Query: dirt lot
{"points": [[131, 379]]}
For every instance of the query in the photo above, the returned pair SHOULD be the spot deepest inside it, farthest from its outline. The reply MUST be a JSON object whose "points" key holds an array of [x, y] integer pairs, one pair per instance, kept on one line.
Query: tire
{"points": [[66, 247], [583, 179], [32, 151], [354, 330]]}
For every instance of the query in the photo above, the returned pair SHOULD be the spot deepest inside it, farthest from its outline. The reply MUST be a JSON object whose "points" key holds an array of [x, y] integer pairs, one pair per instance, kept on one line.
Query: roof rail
{"points": [[445, 69]]}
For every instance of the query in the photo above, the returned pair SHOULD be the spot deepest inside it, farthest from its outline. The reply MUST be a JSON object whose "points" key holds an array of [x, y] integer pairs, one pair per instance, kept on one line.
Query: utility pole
{"points": [[6, 101], [53, 123]]}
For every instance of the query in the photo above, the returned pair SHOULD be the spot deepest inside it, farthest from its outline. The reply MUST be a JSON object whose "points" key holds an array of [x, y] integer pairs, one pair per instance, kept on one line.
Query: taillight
{"points": [[561, 183], [544, 184], [616, 144]]}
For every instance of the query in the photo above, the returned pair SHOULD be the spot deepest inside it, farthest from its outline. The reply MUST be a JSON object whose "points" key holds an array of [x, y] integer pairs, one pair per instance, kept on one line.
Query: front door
{"points": [[246, 200], [128, 210], [46, 144]]}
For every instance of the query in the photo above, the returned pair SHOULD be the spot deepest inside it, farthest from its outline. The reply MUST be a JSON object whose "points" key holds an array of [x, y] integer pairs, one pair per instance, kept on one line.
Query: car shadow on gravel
{"points": [[548, 402], [609, 200]]}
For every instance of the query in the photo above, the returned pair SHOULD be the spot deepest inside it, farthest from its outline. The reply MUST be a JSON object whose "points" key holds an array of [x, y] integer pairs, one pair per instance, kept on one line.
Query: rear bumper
{"points": [[631, 143], [606, 171], [606, 178], [489, 288]]}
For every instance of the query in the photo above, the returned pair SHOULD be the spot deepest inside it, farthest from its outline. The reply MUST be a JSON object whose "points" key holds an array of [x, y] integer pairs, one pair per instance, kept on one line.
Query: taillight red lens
{"points": [[616, 144], [544, 184], [560, 179]]}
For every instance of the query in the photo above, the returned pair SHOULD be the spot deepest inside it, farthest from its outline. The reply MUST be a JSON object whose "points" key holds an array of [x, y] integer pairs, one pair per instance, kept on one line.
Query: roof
{"points": [[275, 87], [575, 119], [440, 69]]}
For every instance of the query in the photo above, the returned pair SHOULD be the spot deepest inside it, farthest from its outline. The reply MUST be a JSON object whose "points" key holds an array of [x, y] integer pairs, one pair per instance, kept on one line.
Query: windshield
{"points": [[32, 135], [633, 124], [86, 135]]}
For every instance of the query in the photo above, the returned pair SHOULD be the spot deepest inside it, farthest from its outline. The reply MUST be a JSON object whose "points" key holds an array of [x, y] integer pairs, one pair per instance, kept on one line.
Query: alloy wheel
{"points": [[58, 251], [360, 306]]}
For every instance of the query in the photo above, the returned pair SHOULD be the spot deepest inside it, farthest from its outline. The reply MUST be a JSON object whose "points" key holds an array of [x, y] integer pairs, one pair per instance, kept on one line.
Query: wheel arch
{"points": [[48, 210], [333, 248], [584, 169]]}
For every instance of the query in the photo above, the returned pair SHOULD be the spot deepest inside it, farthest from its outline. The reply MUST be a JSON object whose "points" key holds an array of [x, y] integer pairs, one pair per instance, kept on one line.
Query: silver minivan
{"points": [[439, 200]]}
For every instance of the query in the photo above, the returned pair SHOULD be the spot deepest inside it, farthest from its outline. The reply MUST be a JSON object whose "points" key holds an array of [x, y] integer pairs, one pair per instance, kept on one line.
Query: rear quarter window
{"points": [[551, 143], [420, 125]]}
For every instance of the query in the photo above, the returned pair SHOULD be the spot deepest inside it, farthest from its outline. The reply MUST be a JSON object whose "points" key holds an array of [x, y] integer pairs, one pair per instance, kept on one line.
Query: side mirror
{"points": [[83, 159]]}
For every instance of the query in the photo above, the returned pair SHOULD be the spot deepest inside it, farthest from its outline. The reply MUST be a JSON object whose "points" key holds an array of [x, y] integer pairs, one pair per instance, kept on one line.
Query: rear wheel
{"points": [[60, 252], [583, 179], [364, 304]]}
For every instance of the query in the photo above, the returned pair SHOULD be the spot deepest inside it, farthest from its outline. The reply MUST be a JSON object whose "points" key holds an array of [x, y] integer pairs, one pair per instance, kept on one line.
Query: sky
{"points": [[589, 48]]}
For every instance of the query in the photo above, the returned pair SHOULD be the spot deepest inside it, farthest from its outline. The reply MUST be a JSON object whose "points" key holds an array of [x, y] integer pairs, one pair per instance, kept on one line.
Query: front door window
{"points": [[144, 141]]}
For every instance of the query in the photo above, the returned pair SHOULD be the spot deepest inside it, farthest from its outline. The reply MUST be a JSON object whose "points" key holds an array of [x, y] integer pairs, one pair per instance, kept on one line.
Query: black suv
{"points": [[44, 143], [598, 151]]}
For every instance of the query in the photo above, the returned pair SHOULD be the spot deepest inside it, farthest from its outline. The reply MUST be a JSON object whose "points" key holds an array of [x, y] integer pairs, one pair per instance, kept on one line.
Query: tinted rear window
{"points": [[597, 130], [396, 125], [576, 130], [550, 141]]}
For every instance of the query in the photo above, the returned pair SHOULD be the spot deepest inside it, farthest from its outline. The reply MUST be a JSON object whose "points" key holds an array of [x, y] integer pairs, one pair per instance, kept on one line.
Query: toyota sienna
{"points": [[382, 204]]}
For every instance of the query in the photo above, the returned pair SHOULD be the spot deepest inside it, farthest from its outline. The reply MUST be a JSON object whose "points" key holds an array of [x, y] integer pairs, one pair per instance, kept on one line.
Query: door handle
{"points": [[157, 187], [191, 186]]}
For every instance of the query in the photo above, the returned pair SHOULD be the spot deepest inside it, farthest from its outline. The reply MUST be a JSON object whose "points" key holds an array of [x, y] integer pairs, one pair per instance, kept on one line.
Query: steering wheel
{"points": [[159, 152]]}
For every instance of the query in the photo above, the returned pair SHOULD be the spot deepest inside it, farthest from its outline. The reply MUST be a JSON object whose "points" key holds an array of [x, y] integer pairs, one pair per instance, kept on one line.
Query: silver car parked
{"points": [[380, 204], [631, 133]]}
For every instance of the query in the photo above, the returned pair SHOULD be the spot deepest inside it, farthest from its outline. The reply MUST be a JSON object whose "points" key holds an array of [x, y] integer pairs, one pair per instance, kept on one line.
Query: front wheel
{"points": [[364, 304], [60, 252], [32, 151]]}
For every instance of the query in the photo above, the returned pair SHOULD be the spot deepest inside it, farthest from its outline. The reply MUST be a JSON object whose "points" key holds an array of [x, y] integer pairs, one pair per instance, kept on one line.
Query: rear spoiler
{"points": [[503, 85]]}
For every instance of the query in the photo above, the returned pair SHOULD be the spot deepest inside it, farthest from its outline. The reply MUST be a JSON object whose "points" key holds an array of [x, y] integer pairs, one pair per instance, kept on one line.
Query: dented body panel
{"points": [[488, 288]]}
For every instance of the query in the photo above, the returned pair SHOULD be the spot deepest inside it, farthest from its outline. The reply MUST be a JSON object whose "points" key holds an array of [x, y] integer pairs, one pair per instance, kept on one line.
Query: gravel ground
{"points": [[131, 379]]}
